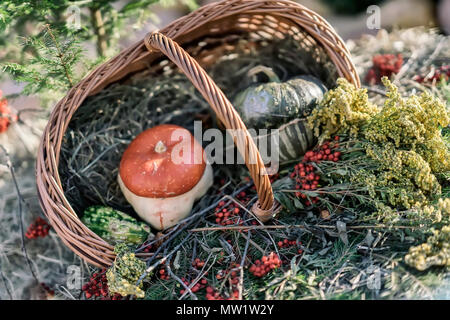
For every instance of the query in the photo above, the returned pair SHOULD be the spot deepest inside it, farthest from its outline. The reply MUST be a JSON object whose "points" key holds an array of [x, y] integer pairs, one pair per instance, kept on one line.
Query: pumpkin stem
{"points": [[273, 77]]}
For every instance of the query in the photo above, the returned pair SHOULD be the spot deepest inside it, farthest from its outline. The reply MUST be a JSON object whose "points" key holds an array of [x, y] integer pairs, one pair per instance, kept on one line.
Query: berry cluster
{"points": [[147, 248], [212, 294], [49, 292], [229, 214], [267, 263], [442, 72], [198, 264], [196, 287], [305, 175], [97, 287], [233, 279], [289, 243], [384, 65], [39, 228], [163, 275], [324, 152], [229, 274], [6, 115]]}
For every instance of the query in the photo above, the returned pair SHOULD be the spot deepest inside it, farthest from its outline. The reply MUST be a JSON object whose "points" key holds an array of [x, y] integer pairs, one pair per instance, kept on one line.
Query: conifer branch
{"points": [[60, 55]]}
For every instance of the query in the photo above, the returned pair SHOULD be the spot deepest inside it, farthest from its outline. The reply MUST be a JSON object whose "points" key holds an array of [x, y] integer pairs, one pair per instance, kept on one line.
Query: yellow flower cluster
{"points": [[403, 175], [403, 144], [419, 214], [444, 205], [434, 252], [413, 123], [125, 273], [442, 210], [343, 109]]}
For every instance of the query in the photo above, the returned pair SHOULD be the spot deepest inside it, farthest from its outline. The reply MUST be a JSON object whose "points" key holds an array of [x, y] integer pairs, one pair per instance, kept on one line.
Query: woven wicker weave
{"points": [[263, 19]]}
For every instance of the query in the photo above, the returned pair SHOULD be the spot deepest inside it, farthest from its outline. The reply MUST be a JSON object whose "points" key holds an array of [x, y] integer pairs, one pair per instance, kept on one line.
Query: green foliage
{"points": [[50, 59], [54, 68]]}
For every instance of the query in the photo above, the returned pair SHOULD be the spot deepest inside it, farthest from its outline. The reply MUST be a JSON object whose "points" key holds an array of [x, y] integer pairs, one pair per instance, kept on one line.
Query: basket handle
{"points": [[266, 206]]}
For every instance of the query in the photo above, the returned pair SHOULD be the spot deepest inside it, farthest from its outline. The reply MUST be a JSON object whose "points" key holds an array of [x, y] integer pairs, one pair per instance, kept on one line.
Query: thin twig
{"points": [[162, 260], [254, 244], [5, 283], [239, 228], [173, 275], [200, 275], [241, 266], [21, 199]]}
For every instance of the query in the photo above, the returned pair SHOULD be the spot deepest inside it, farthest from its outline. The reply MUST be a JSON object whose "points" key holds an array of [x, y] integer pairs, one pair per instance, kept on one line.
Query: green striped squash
{"points": [[283, 106]]}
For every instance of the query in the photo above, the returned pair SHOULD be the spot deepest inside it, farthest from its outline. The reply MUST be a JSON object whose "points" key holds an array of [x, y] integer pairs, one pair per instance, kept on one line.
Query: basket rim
{"points": [[53, 202]]}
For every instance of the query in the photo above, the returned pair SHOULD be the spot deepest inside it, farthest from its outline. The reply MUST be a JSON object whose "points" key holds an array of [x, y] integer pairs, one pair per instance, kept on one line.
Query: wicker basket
{"points": [[255, 18]]}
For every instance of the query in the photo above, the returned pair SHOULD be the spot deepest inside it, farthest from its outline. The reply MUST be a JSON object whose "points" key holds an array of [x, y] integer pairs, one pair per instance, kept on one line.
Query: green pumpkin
{"points": [[295, 138], [283, 106], [275, 103], [115, 226]]}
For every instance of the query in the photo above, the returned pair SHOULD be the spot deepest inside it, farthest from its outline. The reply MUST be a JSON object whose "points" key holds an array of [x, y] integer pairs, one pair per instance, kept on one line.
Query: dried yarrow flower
{"points": [[343, 109], [434, 252], [125, 273], [402, 143], [412, 123]]}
